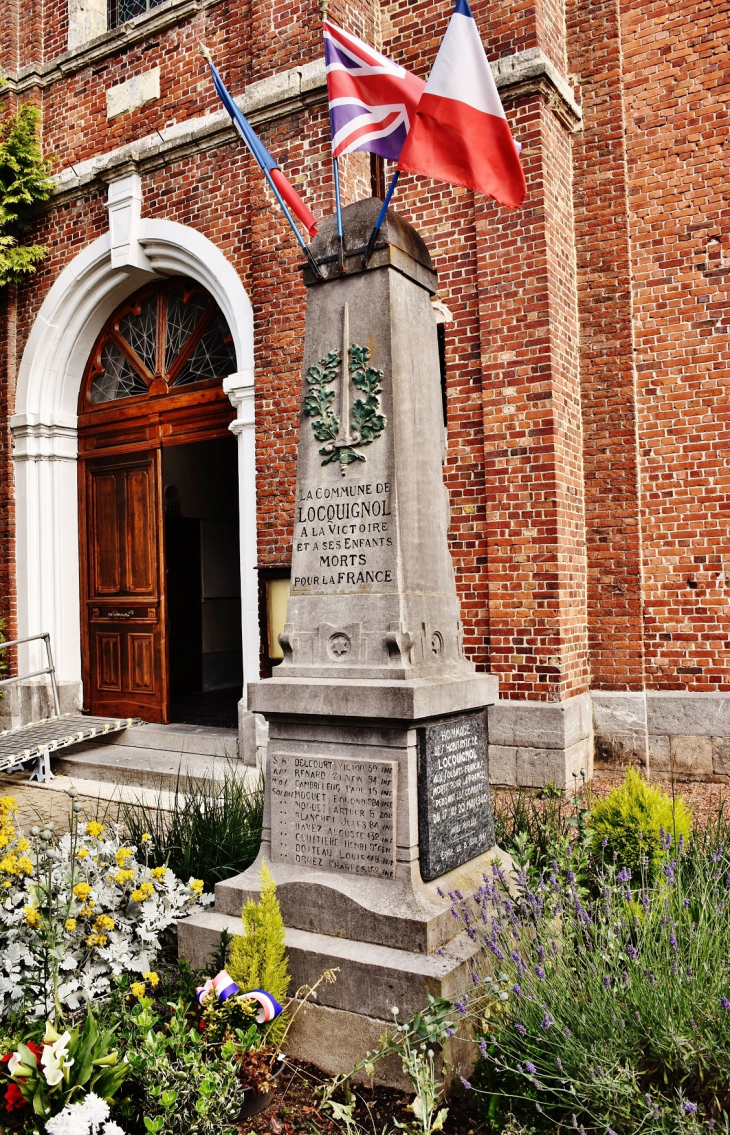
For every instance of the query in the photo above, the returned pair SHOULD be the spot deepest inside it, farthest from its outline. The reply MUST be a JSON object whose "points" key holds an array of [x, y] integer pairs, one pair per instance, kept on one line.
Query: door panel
{"points": [[124, 644], [105, 551]]}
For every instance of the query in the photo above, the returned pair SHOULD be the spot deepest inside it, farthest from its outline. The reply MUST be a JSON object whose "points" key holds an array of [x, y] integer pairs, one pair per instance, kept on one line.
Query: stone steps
{"points": [[155, 757]]}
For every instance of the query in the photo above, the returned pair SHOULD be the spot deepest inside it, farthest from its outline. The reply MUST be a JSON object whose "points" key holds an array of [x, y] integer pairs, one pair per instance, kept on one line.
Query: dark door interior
{"points": [[203, 581]]}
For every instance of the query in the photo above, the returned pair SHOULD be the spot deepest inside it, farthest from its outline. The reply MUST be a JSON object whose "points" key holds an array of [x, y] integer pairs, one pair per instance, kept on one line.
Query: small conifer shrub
{"points": [[258, 958], [640, 823]]}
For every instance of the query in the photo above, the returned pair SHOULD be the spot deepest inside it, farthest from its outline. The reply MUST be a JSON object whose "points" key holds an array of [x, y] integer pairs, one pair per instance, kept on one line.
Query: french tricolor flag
{"points": [[460, 133]]}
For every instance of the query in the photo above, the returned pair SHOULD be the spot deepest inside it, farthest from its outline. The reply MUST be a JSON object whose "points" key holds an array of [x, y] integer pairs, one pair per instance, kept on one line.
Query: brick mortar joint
{"points": [[103, 46]]}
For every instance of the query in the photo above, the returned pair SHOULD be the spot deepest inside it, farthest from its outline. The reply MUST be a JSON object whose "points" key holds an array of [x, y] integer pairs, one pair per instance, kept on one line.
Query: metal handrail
{"points": [[50, 669]]}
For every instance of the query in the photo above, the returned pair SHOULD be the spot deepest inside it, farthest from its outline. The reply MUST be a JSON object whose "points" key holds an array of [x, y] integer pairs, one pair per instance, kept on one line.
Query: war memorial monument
{"points": [[377, 786]]}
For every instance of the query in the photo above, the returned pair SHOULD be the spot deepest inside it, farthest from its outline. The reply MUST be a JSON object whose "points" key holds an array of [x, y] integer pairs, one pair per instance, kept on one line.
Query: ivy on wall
{"points": [[24, 181]]}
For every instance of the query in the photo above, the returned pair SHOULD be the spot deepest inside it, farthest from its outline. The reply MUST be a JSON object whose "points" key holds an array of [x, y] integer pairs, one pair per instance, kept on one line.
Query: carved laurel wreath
{"points": [[367, 423]]}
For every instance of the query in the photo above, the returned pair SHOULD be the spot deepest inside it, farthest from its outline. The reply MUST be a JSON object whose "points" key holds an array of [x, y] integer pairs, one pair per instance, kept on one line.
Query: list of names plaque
{"points": [[454, 807], [334, 814]]}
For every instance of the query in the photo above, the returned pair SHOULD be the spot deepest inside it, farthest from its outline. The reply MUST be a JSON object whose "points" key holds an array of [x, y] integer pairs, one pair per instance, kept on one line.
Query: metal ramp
{"points": [[36, 741]]}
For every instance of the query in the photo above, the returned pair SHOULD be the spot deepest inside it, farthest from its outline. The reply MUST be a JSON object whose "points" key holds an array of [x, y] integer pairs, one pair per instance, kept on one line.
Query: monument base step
{"points": [[388, 912], [371, 979]]}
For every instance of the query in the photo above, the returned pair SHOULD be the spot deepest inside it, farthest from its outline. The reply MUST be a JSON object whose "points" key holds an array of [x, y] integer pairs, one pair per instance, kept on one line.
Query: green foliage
{"points": [[634, 818], [319, 399], [24, 181], [81, 1061], [234, 1017], [258, 957], [212, 832], [180, 1085], [615, 1009], [541, 828]]}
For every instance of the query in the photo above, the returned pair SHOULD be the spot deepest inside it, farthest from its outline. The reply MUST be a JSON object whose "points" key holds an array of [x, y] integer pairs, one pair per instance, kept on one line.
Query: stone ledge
{"points": [[371, 978], [411, 700], [540, 725]]}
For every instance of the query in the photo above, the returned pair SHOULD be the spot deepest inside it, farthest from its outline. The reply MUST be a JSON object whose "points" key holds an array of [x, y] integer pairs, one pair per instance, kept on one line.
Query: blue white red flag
{"points": [[372, 101], [460, 133], [262, 155]]}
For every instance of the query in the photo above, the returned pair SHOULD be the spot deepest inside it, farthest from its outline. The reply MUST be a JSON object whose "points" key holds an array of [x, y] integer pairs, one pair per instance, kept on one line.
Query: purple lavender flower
{"points": [[547, 1022], [530, 1068], [517, 989], [607, 982], [483, 1047], [632, 952], [540, 971], [540, 952], [624, 875], [725, 1003], [460, 1006], [690, 1107], [448, 1031], [440, 892], [465, 1084], [520, 1029], [604, 842]]}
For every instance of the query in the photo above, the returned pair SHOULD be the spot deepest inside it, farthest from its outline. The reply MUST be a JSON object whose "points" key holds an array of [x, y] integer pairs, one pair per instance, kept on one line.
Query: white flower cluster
{"points": [[91, 901], [90, 1117]]}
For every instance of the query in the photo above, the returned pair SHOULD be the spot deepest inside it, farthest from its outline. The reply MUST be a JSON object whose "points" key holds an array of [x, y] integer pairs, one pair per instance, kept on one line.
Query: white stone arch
{"points": [[44, 425]]}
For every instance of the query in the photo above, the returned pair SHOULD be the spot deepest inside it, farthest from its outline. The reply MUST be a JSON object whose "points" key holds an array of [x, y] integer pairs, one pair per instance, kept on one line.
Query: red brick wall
{"points": [[677, 118], [597, 310]]}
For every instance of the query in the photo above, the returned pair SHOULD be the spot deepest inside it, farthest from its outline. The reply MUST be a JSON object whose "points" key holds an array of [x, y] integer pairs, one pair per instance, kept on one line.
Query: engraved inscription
{"points": [[334, 814], [344, 538], [454, 807]]}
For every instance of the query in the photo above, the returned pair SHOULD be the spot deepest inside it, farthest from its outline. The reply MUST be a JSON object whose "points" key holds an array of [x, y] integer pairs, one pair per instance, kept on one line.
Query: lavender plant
{"points": [[606, 1014]]}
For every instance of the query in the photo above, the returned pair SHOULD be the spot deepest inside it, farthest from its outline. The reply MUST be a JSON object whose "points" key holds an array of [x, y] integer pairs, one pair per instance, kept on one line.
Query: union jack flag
{"points": [[372, 101]]}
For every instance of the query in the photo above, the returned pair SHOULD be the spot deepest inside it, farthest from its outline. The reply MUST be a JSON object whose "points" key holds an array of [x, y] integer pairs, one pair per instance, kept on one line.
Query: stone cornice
{"points": [[527, 73], [166, 15]]}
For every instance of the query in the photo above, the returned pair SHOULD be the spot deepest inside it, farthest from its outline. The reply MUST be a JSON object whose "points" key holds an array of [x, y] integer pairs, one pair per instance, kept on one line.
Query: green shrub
{"points": [[636, 820], [258, 956], [212, 832]]}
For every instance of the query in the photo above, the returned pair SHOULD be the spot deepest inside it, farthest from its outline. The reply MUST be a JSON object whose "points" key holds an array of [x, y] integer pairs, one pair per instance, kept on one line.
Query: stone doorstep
{"points": [[144, 767], [192, 740], [371, 978], [384, 912]]}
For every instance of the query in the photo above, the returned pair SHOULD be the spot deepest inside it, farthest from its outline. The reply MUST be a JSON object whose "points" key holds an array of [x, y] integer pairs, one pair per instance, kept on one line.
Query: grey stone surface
{"points": [[454, 805], [371, 978], [253, 736], [620, 712], [721, 756], [407, 700], [334, 813], [691, 756], [399, 913], [373, 592], [540, 725], [689, 714]]}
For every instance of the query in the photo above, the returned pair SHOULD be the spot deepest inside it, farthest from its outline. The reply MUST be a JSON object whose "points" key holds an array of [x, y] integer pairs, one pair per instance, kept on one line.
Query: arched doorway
{"points": [[158, 511]]}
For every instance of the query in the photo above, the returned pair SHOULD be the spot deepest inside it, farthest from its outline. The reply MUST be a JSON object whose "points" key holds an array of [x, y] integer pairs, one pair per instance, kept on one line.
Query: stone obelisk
{"points": [[377, 789]]}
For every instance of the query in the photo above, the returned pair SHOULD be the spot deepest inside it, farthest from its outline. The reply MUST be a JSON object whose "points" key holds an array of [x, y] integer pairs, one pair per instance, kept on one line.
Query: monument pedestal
{"points": [[377, 785]]}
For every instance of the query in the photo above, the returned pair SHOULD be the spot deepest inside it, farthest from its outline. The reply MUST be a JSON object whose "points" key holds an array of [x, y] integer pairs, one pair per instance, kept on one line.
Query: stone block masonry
{"points": [[588, 353]]}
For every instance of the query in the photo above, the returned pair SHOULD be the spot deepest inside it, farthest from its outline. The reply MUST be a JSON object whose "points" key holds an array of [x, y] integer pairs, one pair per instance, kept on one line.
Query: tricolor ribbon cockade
{"points": [[225, 987]]}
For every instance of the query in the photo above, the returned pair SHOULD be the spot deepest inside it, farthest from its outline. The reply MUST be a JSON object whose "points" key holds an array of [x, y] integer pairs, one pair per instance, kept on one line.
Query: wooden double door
{"points": [[124, 609]]}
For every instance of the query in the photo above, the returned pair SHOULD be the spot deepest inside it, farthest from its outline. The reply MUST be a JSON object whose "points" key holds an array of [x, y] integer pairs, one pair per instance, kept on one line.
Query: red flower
{"points": [[36, 1049], [14, 1097], [6, 1058]]}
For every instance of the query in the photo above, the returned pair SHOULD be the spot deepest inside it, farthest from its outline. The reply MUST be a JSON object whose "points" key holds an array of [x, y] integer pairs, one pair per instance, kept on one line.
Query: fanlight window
{"points": [[164, 337], [119, 11]]}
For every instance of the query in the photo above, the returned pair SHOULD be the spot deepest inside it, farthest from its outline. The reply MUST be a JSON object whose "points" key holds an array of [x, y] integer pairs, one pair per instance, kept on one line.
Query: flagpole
{"points": [[338, 212], [381, 217], [205, 52]]}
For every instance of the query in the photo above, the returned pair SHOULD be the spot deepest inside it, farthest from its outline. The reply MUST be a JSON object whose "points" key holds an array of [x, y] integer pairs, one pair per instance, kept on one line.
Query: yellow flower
{"points": [[158, 872], [25, 865], [82, 853], [82, 891], [104, 922], [9, 864], [23, 844], [138, 988], [122, 877], [143, 892], [70, 924], [32, 916], [153, 979], [94, 828], [196, 886], [122, 855], [146, 838], [86, 910], [97, 940]]}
